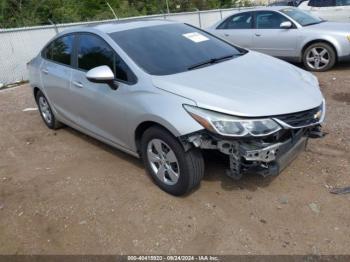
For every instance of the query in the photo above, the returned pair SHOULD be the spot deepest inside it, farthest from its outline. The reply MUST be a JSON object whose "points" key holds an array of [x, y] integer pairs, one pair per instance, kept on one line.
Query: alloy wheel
{"points": [[163, 161], [45, 109], [318, 58]]}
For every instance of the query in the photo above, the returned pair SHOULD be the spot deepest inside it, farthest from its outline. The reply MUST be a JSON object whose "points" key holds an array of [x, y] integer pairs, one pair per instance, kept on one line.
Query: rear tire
{"points": [[46, 112], [175, 171], [319, 57]]}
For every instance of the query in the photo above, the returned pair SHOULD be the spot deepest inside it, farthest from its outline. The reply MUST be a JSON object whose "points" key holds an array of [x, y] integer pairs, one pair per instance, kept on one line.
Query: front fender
{"points": [[323, 38], [165, 109]]}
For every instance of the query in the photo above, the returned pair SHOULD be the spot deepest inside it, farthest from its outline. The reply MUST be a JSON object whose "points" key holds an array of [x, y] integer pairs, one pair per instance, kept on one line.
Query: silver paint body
{"points": [[287, 43], [251, 85]]}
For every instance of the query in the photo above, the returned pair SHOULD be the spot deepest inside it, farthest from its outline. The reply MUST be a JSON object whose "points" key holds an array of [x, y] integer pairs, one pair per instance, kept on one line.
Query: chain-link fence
{"points": [[18, 46]]}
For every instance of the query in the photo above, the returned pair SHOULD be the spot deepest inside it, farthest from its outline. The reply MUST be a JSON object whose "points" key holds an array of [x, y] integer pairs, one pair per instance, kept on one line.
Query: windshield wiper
{"points": [[211, 61]]}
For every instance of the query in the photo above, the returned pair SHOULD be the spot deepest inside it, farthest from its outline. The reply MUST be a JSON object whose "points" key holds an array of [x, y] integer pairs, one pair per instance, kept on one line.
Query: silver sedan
{"points": [[288, 33], [163, 91]]}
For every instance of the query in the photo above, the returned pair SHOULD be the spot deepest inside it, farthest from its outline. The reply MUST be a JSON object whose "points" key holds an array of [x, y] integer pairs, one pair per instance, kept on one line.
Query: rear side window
{"points": [[60, 50], [321, 3], [239, 21], [94, 51], [269, 20], [342, 2]]}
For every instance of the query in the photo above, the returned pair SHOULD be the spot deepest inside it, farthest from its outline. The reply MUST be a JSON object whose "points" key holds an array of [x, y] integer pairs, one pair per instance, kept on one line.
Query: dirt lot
{"points": [[65, 193]]}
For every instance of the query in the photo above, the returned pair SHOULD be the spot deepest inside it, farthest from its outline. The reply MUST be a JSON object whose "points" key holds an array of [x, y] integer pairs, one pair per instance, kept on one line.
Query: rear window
{"points": [[172, 48]]}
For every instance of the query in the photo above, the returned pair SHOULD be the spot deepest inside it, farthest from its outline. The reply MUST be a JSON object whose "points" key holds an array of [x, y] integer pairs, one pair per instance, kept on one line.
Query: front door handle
{"points": [[226, 35], [78, 84], [45, 71], [258, 35]]}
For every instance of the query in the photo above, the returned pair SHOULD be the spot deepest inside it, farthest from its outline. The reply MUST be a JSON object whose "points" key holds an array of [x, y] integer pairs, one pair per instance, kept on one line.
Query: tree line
{"points": [[20, 13]]}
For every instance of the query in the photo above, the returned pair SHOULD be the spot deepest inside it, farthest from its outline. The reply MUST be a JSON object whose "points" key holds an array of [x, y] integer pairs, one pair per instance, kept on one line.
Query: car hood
{"points": [[252, 85], [333, 27]]}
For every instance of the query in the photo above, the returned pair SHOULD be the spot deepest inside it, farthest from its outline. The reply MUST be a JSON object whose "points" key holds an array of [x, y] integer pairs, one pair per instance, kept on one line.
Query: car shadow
{"points": [[341, 66], [105, 147], [216, 165]]}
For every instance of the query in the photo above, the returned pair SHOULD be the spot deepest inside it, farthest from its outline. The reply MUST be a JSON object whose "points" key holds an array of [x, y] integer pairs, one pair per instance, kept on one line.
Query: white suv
{"points": [[331, 10]]}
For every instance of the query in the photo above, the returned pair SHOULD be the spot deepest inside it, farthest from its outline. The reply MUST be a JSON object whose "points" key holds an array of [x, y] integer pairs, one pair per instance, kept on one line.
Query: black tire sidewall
{"points": [[183, 185], [331, 51]]}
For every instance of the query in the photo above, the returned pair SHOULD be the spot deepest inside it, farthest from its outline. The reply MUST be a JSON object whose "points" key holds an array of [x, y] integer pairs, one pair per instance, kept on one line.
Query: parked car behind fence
{"points": [[331, 10], [288, 33]]}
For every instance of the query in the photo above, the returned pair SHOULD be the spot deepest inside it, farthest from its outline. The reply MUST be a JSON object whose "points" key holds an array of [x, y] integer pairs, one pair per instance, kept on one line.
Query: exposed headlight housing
{"points": [[228, 125]]}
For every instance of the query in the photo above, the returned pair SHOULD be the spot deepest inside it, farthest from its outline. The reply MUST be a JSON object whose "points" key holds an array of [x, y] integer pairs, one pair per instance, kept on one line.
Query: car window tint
{"points": [[60, 50], [321, 3], [342, 2], [46, 53], [94, 52], [122, 71], [269, 20], [240, 21]]}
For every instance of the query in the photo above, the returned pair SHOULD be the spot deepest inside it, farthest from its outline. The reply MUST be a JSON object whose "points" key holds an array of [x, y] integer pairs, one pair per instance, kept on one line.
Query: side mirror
{"points": [[286, 25], [102, 74]]}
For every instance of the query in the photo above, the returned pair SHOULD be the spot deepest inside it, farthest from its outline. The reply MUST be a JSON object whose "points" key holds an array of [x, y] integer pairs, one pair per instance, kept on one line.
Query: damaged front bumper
{"points": [[266, 156]]}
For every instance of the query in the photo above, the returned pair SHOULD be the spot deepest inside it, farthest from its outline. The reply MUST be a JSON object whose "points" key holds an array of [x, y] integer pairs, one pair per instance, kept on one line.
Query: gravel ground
{"points": [[62, 192]]}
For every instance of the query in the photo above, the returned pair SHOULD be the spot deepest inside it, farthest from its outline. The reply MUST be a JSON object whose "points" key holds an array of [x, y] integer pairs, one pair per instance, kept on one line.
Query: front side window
{"points": [[321, 3], [269, 20], [172, 48], [60, 50], [94, 52], [240, 21], [302, 17]]}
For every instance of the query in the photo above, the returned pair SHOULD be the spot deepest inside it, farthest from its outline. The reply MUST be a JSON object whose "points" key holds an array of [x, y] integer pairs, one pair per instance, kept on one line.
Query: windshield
{"points": [[302, 17], [173, 48]]}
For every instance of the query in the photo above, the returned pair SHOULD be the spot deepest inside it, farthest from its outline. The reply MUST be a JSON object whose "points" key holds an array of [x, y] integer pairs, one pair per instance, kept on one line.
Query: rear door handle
{"points": [[256, 34], [226, 35], [78, 84], [45, 71]]}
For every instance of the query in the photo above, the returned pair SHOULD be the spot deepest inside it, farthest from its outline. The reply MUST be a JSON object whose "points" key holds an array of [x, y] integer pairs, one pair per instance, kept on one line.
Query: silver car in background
{"points": [[330, 10], [164, 91], [288, 33]]}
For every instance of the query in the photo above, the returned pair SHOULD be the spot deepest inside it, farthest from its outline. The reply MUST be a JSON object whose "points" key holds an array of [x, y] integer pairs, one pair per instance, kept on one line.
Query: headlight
{"points": [[348, 37], [227, 125]]}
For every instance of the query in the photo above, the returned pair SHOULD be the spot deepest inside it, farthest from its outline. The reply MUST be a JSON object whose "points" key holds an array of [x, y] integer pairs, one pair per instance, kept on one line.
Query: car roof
{"points": [[129, 24]]}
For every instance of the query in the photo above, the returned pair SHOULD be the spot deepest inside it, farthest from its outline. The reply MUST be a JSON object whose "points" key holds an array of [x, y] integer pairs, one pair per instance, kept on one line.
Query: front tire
{"points": [[173, 169], [46, 111], [319, 57]]}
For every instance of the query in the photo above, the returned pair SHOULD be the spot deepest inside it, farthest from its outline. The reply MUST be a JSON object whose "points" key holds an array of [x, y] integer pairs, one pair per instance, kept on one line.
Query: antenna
{"points": [[115, 16]]}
